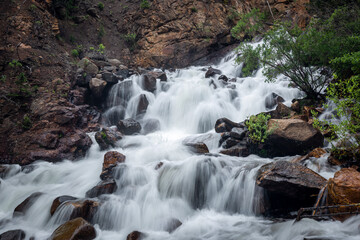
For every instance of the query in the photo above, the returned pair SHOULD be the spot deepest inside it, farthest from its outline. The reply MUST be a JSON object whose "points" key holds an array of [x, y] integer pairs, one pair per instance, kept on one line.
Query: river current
{"points": [[214, 196]]}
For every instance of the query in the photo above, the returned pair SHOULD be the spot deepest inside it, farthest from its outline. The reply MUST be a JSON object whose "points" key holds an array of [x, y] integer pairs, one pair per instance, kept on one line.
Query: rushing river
{"points": [[214, 195]]}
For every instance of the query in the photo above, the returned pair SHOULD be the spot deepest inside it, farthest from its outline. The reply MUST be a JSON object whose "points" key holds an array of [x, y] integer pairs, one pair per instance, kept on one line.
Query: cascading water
{"points": [[214, 196]]}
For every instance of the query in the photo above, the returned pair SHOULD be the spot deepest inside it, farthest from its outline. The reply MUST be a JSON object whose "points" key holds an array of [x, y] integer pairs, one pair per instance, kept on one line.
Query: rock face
{"points": [[289, 185], [26, 204], [298, 136], [107, 137], [128, 126], [76, 229], [17, 234]]}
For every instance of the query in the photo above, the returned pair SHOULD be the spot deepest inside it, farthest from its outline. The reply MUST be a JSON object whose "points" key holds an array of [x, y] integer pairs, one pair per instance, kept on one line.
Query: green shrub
{"points": [[257, 125], [130, 39], [101, 6], [250, 58], [15, 63], [101, 32], [75, 53], [101, 48], [248, 24], [144, 4], [26, 122], [194, 9], [21, 78], [103, 135]]}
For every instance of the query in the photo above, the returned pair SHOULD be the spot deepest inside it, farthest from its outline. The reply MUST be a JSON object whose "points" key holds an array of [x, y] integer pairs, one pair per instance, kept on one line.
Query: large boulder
{"points": [[103, 187], [292, 137], [149, 82], [88, 66], [17, 234], [26, 204], [111, 160], [97, 87], [289, 186], [128, 126], [107, 137], [281, 111], [76, 229]]}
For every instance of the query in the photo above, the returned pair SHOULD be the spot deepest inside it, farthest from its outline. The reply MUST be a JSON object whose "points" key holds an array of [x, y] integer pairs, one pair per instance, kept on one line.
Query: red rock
{"points": [[76, 229]]}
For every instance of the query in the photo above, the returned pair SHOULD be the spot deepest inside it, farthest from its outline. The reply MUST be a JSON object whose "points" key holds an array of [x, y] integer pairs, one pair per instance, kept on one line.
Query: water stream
{"points": [[213, 195]]}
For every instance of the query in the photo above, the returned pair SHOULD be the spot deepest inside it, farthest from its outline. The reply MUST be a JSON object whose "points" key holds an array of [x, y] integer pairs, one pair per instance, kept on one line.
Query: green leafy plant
{"points": [[32, 8], [3, 78], [75, 53], [26, 122], [103, 135], [101, 32], [250, 58], [130, 39], [248, 24], [21, 78], [194, 9], [15, 63], [257, 125], [144, 4], [101, 6], [101, 48]]}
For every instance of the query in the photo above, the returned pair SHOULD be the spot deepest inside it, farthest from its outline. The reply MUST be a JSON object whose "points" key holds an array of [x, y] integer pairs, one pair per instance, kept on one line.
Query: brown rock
{"points": [[135, 235], [97, 87], [290, 185], [199, 148], [295, 106], [58, 201], [26, 204], [88, 66], [344, 189], [107, 137], [292, 137], [111, 160], [76, 229], [103, 187], [225, 125], [281, 111], [237, 151]]}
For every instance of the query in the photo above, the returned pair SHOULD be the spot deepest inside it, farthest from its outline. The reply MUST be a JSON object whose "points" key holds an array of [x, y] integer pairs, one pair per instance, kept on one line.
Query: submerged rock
{"points": [[289, 186], [26, 204], [142, 105], [107, 137], [212, 72], [172, 225], [76, 229], [58, 201], [199, 147], [103, 187], [128, 126], [17, 234], [151, 125]]}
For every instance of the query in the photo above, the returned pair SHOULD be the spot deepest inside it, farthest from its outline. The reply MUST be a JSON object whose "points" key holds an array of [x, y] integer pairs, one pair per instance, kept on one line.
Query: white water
{"points": [[214, 196]]}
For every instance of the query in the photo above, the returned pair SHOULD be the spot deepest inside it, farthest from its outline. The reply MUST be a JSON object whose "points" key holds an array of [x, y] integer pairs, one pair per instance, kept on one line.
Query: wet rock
{"points": [[111, 160], [97, 87], [103, 187], [237, 151], [289, 185], [230, 142], [292, 137], [142, 105], [3, 171], [344, 187], [128, 126], [212, 72], [88, 66], [281, 111], [58, 201], [225, 125], [199, 148], [135, 235], [295, 106], [123, 72], [76, 229], [159, 165], [172, 225], [26, 204], [316, 153], [85, 209], [236, 134], [223, 78], [151, 125], [107, 137], [272, 99], [149, 82], [48, 140], [17, 234]]}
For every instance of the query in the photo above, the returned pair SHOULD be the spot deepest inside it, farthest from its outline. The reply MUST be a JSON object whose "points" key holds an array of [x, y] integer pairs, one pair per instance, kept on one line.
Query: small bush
{"points": [[15, 63], [194, 9], [75, 53], [144, 4], [21, 78], [26, 122], [101, 48], [257, 126], [103, 135], [101, 6]]}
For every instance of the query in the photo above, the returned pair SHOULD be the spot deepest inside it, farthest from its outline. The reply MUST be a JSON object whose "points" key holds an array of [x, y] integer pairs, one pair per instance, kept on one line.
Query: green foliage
{"points": [[248, 24], [32, 8], [144, 4], [26, 122], [75, 53], [101, 6], [3, 78], [101, 48], [21, 78], [257, 125], [250, 58], [103, 135], [194, 9], [130, 39], [15, 63]]}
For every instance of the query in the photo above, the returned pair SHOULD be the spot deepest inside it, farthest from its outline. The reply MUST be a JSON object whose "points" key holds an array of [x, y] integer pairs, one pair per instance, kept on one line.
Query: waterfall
{"points": [[214, 196]]}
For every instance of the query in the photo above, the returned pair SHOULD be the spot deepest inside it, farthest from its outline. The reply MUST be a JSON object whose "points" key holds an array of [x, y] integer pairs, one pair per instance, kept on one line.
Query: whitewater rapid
{"points": [[214, 196]]}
